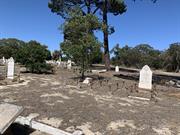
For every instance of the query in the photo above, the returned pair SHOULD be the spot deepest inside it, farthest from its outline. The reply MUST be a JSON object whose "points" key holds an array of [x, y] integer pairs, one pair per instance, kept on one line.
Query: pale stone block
{"points": [[10, 71], [145, 79], [87, 80], [69, 64], [117, 69], [8, 114]]}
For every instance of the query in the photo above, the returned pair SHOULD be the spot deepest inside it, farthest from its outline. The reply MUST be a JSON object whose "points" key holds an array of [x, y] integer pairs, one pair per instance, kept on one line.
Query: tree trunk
{"points": [[106, 42], [177, 68]]}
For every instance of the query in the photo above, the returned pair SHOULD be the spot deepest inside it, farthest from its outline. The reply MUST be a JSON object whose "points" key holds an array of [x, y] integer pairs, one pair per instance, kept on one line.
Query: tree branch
{"points": [[95, 10]]}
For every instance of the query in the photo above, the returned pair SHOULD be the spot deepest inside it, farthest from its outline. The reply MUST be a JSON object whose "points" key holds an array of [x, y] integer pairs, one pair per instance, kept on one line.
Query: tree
{"points": [[33, 56], [56, 55], [10, 47], [109, 6], [80, 45], [172, 57], [63, 7], [116, 7], [138, 56], [148, 56]]}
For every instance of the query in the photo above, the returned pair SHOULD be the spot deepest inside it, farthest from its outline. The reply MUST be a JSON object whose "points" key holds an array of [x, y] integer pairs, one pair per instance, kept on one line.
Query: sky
{"points": [[156, 24]]}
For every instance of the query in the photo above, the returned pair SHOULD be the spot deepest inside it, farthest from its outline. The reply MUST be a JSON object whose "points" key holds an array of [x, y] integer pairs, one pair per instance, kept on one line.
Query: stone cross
{"points": [[145, 79], [10, 70], [117, 69]]}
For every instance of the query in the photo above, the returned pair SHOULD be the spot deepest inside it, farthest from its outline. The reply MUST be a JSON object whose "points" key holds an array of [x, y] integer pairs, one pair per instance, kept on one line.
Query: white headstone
{"points": [[10, 71], [69, 64], [4, 60], [145, 79], [87, 80], [117, 69]]}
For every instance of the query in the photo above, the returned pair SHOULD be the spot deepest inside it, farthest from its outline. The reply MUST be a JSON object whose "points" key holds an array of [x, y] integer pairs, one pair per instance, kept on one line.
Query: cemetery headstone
{"points": [[4, 60], [10, 70], [2, 72], [145, 79], [117, 69], [69, 64]]}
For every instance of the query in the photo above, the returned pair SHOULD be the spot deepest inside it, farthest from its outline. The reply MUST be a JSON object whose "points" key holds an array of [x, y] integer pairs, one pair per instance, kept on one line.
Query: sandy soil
{"points": [[102, 108]]}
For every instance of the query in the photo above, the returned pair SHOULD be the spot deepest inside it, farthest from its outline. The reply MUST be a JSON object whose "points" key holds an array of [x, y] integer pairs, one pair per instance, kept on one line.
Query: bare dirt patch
{"points": [[102, 108]]}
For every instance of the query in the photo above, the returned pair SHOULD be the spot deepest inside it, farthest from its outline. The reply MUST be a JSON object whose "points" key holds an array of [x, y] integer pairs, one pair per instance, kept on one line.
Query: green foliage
{"points": [[172, 57], [33, 56], [80, 44], [138, 56], [56, 55], [116, 7], [10, 47]]}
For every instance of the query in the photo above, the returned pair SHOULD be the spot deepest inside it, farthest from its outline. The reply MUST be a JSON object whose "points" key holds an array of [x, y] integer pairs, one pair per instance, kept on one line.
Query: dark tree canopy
{"points": [[172, 57], [31, 54], [10, 47], [138, 56], [56, 55], [63, 7], [116, 7]]}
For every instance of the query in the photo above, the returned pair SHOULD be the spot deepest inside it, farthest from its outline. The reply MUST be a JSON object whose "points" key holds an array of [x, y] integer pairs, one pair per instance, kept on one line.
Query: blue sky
{"points": [[144, 22]]}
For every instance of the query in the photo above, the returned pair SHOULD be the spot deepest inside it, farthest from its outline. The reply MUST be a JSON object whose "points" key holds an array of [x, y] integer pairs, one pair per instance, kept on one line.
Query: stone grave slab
{"points": [[8, 114]]}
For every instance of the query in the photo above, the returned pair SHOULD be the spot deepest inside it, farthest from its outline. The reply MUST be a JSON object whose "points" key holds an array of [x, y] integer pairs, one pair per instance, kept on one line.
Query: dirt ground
{"points": [[102, 108]]}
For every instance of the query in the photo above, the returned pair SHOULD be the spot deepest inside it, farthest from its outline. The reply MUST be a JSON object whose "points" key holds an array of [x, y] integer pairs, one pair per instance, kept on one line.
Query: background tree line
{"points": [[144, 54], [31, 54]]}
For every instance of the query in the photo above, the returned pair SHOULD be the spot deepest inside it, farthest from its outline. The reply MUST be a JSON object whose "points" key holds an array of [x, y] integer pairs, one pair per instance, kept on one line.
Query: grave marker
{"points": [[69, 64], [10, 70], [117, 69], [145, 79], [4, 60]]}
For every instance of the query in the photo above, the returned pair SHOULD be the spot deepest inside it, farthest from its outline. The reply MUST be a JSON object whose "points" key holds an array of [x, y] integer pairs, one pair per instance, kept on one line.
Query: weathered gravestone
{"points": [[69, 64], [10, 70], [8, 114], [2, 72], [117, 69], [145, 79], [4, 60]]}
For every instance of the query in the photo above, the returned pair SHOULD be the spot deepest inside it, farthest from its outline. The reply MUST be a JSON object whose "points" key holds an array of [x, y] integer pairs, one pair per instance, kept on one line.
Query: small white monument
{"points": [[117, 69], [4, 60], [87, 80], [69, 64], [10, 70], [145, 79]]}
